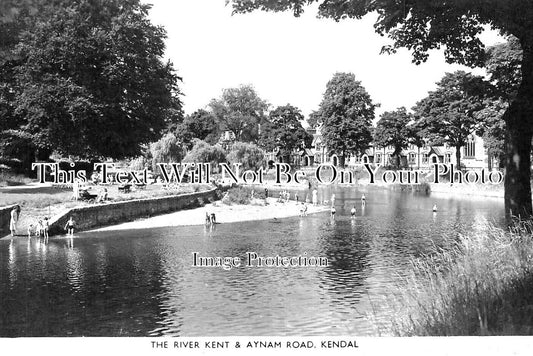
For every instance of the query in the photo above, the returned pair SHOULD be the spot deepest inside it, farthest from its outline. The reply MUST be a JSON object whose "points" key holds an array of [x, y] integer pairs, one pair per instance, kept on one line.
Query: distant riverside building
{"points": [[227, 138], [473, 155]]}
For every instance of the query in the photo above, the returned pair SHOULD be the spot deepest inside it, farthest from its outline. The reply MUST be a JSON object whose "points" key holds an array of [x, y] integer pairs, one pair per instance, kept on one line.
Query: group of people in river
{"points": [[285, 196], [353, 211], [40, 229]]}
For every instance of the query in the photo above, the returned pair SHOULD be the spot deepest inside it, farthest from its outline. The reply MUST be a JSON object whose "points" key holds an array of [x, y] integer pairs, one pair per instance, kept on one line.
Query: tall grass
{"points": [[482, 286]]}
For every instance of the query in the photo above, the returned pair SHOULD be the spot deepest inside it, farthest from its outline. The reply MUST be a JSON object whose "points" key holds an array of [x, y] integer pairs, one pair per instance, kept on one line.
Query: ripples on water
{"points": [[141, 283]]}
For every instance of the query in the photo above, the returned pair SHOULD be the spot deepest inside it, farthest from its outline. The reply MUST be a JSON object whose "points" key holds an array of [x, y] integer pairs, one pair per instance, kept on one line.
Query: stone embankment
{"points": [[89, 217]]}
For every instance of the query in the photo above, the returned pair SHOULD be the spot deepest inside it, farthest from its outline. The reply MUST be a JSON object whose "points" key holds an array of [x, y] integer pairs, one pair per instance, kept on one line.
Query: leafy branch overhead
{"points": [[421, 25]]}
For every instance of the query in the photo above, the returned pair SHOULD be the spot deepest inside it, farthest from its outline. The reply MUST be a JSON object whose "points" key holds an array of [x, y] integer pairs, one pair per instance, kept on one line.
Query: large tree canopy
{"points": [[492, 129], [249, 155], [167, 149], [393, 130], [86, 78], [240, 110], [203, 152], [201, 125], [346, 112], [448, 114], [423, 25], [502, 62], [284, 131]]}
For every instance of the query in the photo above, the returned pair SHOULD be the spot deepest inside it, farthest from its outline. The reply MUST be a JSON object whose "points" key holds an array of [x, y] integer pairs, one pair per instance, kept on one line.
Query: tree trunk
{"points": [[518, 118], [458, 157], [518, 172], [397, 153], [342, 159]]}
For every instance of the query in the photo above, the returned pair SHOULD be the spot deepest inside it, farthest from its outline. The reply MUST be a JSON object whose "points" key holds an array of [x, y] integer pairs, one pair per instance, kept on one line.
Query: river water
{"points": [[142, 282]]}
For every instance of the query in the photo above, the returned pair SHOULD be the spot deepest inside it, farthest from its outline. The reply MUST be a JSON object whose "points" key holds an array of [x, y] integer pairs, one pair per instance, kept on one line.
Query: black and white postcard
{"points": [[254, 176]]}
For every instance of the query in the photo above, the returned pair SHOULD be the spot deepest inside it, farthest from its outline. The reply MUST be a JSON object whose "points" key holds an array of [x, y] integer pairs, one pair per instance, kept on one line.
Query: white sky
{"points": [[286, 59]]}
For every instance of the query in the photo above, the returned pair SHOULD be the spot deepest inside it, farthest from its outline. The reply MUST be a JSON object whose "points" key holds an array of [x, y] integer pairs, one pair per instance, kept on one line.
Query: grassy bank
{"points": [[483, 286]]}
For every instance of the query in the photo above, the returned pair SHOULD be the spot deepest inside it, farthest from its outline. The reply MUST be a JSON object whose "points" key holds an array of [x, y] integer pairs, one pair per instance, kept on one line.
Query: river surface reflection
{"points": [[142, 283]]}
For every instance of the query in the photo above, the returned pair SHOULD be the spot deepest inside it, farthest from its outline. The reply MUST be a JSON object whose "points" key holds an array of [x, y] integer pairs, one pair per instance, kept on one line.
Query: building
{"points": [[473, 155]]}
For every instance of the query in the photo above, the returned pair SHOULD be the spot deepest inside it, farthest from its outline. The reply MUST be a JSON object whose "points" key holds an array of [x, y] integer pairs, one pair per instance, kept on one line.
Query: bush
{"points": [[202, 152], [167, 150], [10, 179], [259, 194], [248, 154], [238, 195]]}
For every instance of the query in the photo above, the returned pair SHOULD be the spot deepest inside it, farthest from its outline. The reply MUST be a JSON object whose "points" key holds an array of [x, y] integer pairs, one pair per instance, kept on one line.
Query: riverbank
{"points": [[495, 191], [38, 201], [258, 210], [483, 286]]}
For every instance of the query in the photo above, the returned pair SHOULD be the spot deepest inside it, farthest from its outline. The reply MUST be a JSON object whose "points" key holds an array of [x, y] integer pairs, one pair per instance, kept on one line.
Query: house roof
{"points": [[435, 150], [369, 152], [306, 152]]}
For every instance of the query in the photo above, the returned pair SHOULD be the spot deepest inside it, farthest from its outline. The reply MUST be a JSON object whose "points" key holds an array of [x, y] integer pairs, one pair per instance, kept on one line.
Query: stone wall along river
{"points": [[88, 217]]}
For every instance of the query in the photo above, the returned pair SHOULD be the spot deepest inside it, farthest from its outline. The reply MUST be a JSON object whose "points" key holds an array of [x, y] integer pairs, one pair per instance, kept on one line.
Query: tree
{"points": [[492, 128], [199, 125], [314, 120], [248, 154], [422, 25], [86, 78], [240, 110], [167, 150], [502, 63], [393, 130], [203, 152], [448, 114], [284, 131], [415, 138], [346, 112]]}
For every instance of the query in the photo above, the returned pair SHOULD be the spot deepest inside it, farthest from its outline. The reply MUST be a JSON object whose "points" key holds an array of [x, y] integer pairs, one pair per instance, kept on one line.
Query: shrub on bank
{"points": [[237, 195], [8, 178], [242, 195], [483, 286]]}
